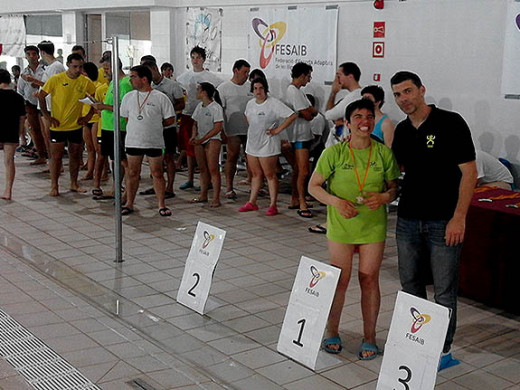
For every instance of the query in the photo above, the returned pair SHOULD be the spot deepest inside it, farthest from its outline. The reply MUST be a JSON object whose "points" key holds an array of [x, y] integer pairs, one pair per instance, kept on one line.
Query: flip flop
{"points": [[305, 213], [149, 191], [447, 361], [336, 340], [318, 229], [309, 206], [165, 212], [197, 200], [231, 195], [365, 346], [97, 192], [169, 195], [126, 210], [102, 197]]}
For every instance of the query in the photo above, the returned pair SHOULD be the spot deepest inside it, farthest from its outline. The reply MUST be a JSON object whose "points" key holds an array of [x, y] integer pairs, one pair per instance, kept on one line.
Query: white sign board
{"points": [[414, 344], [200, 265], [308, 311], [281, 37], [510, 74]]}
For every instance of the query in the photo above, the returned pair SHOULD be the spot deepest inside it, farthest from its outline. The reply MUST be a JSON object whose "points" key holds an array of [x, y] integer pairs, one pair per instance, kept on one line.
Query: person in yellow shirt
{"points": [[66, 120]]}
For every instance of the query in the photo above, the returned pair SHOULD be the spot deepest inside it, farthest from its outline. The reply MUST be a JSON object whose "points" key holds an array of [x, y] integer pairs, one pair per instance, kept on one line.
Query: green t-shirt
{"points": [[107, 116], [337, 167]]}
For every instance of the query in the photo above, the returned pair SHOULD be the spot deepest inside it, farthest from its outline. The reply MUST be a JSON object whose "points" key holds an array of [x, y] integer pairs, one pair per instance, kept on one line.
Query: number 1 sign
{"points": [[200, 265], [308, 310]]}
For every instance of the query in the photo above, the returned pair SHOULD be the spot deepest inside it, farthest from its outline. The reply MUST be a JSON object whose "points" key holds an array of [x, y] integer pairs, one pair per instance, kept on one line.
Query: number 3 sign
{"points": [[308, 310], [200, 265]]}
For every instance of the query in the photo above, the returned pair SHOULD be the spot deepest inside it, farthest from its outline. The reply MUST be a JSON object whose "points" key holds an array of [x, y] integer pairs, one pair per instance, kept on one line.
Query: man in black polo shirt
{"points": [[435, 150]]}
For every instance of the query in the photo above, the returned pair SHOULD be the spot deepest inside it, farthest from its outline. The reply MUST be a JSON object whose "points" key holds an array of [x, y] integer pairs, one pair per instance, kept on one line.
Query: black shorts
{"points": [[150, 152], [10, 136], [170, 140], [70, 136], [107, 143]]}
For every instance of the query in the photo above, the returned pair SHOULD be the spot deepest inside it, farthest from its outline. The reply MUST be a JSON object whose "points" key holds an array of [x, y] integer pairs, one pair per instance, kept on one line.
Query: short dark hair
{"points": [[91, 70], [377, 92], [200, 51], [311, 99], [74, 56], [211, 91], [148, 57], [405, 75], [150, 64], [351, 68], [358, 105], [300, 68], [167, 65], [79, 48], [239, 64], [46, 47], [17, 67], [262, 81], [31, 48], [256, 73], [5, 76], [142, 71], [107, 57]]}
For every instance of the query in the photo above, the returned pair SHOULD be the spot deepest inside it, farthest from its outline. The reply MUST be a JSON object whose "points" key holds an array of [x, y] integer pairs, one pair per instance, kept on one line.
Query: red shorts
{"points": [[185, 130]]}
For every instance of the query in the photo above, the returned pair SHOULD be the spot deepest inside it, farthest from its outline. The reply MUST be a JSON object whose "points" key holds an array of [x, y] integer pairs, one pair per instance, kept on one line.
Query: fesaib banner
{"points": [[12, 35], [510, 73], [281, 37]]}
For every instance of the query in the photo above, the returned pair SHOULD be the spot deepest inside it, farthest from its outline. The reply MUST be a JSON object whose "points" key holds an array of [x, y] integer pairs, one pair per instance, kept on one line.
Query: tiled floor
{"points": [[119, 322]]}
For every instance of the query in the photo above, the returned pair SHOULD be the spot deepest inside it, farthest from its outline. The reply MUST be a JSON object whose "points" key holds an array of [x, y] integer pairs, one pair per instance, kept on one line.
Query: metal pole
{"points": [[117, 153]]}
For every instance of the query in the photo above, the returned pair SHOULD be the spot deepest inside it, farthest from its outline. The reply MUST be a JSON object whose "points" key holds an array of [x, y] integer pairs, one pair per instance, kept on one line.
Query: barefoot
{"points": [[54, 192], [78, 189], [215, 204], [104, 178], [6, 196]]}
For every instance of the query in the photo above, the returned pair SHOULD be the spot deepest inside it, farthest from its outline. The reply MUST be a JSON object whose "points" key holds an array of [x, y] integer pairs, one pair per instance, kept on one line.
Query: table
{"points": [[490, 260]]}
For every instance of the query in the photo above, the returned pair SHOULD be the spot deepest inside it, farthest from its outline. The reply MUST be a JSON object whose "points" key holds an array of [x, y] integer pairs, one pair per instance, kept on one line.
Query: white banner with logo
{"points": [[12, 35], [414, 344], [510, 73], [281, 37], [200, 265], [204, 29], [308, 310]]}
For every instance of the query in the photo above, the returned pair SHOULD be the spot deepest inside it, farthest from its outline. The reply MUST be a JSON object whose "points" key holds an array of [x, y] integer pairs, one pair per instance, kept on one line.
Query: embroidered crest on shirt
{"points": [[430, 141]]}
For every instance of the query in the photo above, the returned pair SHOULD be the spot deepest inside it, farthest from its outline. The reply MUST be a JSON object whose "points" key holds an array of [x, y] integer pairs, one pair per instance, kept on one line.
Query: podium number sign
{"points": [[414, 344], [306, 316], [200, 265]]}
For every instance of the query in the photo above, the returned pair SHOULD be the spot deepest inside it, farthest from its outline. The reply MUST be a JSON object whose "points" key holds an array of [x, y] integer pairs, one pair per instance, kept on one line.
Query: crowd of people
{"points": [[352, 151]]}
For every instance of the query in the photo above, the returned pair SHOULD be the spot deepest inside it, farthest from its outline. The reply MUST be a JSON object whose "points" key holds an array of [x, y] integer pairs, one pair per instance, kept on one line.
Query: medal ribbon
{"points": [[361, 185], [140, 106]]}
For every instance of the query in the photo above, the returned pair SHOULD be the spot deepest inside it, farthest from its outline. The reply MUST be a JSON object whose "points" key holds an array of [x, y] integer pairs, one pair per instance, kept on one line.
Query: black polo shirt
{"points": [[430, 156]]}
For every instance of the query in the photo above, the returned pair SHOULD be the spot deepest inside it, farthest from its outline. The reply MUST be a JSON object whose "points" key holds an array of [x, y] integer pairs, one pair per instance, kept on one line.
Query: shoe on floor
{"points": [[248, 207], [447, 361], [186, 185], [335, 340], [367, 347], [272, 210]]}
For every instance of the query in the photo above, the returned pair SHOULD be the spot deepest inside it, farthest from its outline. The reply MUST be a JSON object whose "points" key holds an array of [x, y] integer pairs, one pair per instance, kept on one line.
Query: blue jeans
{"points": [[422, 242]]}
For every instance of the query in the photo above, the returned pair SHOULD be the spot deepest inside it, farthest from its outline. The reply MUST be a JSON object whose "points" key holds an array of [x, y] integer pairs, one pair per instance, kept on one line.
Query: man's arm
{"points": [[335, 88], [457, 224], [45, 111], [179, 104], [308, 114]]}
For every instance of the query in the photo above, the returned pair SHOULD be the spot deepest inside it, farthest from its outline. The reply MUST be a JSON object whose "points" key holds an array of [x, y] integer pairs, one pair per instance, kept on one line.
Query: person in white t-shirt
{"points": [[206, 138], [234, 95], [189, 80], [491, 172], [147, 111], [267, 117], [300, 135]]}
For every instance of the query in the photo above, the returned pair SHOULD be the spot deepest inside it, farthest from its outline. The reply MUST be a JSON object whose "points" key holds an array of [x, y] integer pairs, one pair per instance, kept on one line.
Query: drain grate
{"points": [[43, 368]]}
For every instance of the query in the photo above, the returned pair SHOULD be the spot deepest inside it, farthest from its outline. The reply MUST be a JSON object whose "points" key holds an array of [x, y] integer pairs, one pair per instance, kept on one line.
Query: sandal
{"points": [[231, 195], [198, 200], [97, 192], [248, 207], [336, 340], [305, 213], [318, 229], [169, 195], [447, 361], [271, 211], [126, 210], [367, 347], [165, 212], [149, 191], [309, 206]]}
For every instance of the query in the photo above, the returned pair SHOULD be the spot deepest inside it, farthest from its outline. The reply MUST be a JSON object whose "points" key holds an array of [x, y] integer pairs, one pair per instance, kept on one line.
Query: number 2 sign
{"points": [[200, 265], [308, 310]]}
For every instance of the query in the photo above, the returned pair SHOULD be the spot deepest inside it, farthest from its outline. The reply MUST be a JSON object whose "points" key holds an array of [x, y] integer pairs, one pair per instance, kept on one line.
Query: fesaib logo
{"points": [[418, 321], [207, 239], [316, 277], [269, 37]]}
